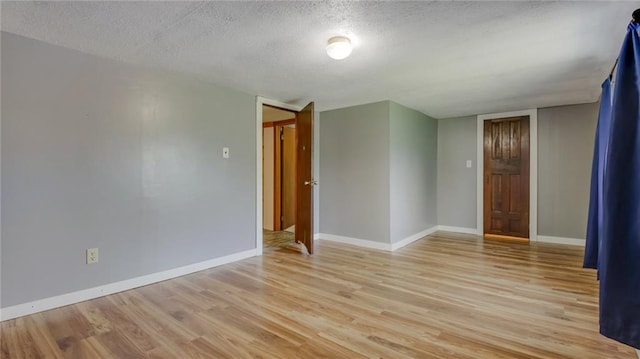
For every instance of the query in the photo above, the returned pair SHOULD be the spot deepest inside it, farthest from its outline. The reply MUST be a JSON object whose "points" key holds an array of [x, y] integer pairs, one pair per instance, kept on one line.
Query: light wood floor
{"points": [[274, 240], [447, 296]]}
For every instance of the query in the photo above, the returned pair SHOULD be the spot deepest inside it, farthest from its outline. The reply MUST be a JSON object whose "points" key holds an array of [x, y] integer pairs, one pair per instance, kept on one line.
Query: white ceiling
{"points": [[442, 58]]}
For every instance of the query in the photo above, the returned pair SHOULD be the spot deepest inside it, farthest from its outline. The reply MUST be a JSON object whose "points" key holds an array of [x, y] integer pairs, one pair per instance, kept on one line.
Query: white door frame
{"points": [[533, 168], [259, 102]]}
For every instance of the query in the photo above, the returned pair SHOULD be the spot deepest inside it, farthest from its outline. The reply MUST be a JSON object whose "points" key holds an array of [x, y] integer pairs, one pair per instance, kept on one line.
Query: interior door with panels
{"points": [[304, 179], [506, 177]]}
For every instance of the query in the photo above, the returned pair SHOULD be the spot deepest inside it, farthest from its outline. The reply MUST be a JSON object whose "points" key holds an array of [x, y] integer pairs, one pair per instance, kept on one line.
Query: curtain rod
{"points": [[613, 68], [635, 17]]}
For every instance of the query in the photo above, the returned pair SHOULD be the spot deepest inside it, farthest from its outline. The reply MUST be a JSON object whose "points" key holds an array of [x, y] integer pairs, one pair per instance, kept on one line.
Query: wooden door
{"points": [[288, 139], [304, 179], [506, 177], [277, 171]]}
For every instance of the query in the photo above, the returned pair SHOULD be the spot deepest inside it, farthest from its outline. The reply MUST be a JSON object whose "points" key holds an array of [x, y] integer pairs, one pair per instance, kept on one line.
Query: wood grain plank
{"points": [[445, 296]]}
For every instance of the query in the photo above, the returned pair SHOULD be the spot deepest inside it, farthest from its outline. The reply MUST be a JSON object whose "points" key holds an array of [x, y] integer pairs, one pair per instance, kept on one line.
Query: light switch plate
{"points": [[225, 152], [92, 255], [468, 163]]}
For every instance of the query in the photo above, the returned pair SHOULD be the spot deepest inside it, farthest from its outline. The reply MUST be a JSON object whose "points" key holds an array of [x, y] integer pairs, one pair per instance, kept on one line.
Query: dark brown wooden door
{"points": [[288, 139], [304, 179], [506, 177]]}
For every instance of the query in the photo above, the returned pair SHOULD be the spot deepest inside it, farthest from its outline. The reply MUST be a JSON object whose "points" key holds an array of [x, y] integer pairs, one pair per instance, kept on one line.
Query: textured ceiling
{"points": [[442, 58]]}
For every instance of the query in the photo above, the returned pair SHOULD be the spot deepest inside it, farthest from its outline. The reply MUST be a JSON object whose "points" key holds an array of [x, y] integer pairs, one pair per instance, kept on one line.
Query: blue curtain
{"points": [[594, 223], [619, 246]]}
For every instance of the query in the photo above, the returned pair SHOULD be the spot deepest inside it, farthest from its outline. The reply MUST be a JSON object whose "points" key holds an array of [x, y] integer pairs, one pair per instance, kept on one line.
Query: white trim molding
{"points": [[259, 102], [533, 167], [365, 243], [562, 240], [287, 106], [464, 230], [95, 292], [413, 238], [354, 241], [540, 238]]}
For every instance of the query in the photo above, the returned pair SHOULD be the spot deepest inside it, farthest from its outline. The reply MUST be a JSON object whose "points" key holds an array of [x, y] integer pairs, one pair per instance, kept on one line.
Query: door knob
{"points": [[311, 183]]}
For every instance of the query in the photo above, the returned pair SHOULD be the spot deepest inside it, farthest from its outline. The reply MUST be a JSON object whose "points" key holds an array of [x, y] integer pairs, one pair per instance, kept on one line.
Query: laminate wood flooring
{"points": [[445, 296], [274, 240]]}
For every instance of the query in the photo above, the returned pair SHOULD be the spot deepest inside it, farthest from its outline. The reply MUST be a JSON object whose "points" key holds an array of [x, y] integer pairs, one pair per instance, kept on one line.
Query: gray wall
{"points": [[457, 183], [97, 153], [354, 163], [565, 151], [413, 164]]}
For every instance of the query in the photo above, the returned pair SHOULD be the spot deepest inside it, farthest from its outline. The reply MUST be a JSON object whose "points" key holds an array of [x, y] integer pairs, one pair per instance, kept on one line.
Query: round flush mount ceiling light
{"points": [[339, 47]]}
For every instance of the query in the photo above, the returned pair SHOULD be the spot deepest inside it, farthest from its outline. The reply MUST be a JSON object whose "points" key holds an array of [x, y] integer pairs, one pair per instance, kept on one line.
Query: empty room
{"points": [[320, 179]]}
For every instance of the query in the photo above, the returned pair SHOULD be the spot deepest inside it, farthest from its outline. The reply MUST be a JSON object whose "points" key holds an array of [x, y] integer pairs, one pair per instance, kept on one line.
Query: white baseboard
{"points": [[459, 230], [561, 240], [91, 293], [413, 238], [543, 239], [355, 241], [372, 244], [397, 245]]}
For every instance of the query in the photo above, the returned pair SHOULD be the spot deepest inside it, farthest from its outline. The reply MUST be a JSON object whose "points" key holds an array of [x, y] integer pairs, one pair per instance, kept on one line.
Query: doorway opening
{"points": [[278, 177], [302, 211]]}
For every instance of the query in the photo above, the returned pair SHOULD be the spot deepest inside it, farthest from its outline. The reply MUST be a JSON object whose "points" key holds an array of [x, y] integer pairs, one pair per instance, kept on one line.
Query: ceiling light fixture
{"points": [[339, 47]]}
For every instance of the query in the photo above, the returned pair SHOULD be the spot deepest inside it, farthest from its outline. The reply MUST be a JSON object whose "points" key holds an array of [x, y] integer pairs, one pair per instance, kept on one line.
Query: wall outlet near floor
{"points": [[92, 255]]}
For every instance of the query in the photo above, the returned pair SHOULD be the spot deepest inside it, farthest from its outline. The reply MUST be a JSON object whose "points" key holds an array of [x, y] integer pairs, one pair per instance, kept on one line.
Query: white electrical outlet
{"points": [[92, 255], [468, 163], [225, 152]]}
